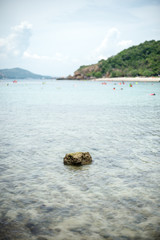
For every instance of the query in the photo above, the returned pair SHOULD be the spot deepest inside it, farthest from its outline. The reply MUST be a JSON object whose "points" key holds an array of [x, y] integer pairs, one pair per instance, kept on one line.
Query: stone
{"points": [[77, 158]]}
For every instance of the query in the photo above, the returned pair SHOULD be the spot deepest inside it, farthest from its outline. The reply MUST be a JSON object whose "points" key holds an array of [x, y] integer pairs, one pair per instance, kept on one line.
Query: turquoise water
{"points": [[116, 197]]}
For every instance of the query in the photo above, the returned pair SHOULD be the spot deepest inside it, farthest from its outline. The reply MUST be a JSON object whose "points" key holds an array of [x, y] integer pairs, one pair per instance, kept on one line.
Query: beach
{"points": [[130, 79]]}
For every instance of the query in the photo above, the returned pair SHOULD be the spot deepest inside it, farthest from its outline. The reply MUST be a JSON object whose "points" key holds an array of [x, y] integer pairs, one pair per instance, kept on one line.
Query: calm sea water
{"points": [[117, 197]]}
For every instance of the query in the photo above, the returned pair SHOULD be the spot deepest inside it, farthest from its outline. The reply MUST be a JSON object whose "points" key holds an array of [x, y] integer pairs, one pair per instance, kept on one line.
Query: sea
{"points": [[117, 197]]}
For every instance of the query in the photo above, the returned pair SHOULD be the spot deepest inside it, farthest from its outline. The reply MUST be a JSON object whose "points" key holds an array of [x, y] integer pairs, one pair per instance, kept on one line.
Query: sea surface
{"points": [[117, 197]]}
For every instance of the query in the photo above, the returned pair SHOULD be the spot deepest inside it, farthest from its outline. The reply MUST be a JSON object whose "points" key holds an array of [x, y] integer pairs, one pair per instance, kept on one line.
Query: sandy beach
{"points": [[130, 79]]}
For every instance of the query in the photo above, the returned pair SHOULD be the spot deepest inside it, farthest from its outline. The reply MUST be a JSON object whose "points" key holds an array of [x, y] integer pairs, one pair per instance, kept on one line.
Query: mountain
{"points": [[141, 60], [19, 73]]}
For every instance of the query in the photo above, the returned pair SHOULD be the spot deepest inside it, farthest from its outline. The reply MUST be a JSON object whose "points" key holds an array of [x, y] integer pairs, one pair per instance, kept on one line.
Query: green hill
{"points": [[141, 60], [19, 73]]}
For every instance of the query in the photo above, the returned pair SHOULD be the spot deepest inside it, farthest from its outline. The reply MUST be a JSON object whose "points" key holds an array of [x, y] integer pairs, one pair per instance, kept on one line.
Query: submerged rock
{"points": [[77, 158]]}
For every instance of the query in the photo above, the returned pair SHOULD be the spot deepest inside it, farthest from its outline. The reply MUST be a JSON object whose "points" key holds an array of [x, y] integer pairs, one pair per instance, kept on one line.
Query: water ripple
{"points": [[116, 197]]}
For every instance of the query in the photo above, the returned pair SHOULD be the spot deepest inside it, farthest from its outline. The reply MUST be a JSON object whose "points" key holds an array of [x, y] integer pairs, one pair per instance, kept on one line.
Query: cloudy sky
{"points": [[55, 37]]}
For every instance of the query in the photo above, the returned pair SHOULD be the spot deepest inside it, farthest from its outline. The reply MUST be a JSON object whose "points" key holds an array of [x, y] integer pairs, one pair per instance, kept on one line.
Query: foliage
{"points": [[141, 60], [97, 74]]}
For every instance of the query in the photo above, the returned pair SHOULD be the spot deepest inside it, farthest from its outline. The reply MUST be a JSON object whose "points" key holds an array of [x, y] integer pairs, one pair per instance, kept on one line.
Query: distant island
{"points": [[137, 61], [19, 73]]}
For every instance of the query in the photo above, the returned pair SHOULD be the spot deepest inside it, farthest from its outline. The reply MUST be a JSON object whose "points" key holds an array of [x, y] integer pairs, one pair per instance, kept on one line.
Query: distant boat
{"points": [[15, 81]]}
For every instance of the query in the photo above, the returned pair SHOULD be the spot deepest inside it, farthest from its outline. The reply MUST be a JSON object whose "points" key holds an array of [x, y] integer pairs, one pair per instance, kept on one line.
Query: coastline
{"points": [[116, 79], [129, 79]]}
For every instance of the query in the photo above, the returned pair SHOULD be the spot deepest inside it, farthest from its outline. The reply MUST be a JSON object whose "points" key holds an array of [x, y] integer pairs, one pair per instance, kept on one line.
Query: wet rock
{"points": [[78, 158]]}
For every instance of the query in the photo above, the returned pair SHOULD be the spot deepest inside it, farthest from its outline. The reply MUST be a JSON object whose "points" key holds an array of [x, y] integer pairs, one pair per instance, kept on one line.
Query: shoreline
{"points": [[129, 79], [116, 79]]}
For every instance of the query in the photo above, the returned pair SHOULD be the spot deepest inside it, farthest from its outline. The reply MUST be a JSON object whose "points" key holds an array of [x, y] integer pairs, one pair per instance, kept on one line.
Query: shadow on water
{"points": [[77, 168]]}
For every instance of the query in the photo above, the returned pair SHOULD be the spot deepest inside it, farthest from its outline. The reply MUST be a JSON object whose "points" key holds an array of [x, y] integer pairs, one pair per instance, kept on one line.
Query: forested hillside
{"points": [[141, 60], [19, 73]]}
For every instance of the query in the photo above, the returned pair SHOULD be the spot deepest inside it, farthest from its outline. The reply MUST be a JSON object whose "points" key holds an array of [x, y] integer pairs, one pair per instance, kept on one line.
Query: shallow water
{"points": [[116, 197]]}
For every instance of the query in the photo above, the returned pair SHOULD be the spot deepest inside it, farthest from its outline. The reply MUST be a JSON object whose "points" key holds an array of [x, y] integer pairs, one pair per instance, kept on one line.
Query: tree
{"points": [[98, 74]]}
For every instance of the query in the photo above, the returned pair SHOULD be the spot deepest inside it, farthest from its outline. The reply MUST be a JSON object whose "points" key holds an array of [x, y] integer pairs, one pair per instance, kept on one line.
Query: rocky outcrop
{"points": [[87, 69], [82, 72], [77, 158]]}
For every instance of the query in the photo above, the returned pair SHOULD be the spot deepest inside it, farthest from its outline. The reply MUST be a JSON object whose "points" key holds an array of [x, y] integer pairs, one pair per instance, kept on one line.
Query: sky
{"points": [[56, 37]]}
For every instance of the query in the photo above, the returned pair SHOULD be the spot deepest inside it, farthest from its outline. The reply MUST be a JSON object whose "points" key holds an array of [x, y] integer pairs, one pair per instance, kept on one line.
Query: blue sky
{"points": [[55, 37]]}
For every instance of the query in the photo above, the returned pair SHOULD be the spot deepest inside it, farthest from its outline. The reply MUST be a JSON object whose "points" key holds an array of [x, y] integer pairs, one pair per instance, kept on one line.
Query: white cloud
{"points": [[17, 41], [57, 57], [107, 47], [27, 54], [109, 40], [16, 44], [22, 26], [110, 45], [125, 43]]}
